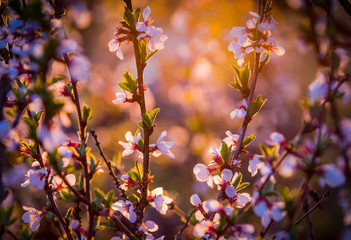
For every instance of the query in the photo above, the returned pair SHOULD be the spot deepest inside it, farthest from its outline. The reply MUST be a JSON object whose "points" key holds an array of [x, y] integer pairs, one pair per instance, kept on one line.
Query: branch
{"points": [[319, 203], [179, 235], [115, 179]]}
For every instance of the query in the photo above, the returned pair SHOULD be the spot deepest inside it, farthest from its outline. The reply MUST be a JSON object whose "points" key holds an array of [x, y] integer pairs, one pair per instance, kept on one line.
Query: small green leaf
{"points": [[128, 17], [137, 14], [146, 120], [248, 140], [143, 50], [134, 198], [153, 114], [99, 193], [151, 55], [224, 151], [134, 176], [141, 125], [87, 113], [238, 180], [242, 186], [256, 105], [123, 86]]}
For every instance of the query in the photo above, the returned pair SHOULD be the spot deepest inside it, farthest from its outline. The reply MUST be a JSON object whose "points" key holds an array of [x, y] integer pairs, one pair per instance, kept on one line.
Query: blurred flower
{"points": [[115, 45], [5, 128], [331, 176], [318, 89], [31, 216], [121, 98], [266, 211], [79, 67], [255, 164], [36, 178]]}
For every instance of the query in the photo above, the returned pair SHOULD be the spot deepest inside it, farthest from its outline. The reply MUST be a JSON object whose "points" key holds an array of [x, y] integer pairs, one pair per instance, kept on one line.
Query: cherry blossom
{"points": [[59, 184], [154, 35], [318, 89], [266, 211], [126, 208], [121, 98], [255, 164], [276, 138], [131, 145], [162, 147], [247, 40], [231, 139], [223, 182], [115, 45], [31, 216], [240, 112], [160, 201], [331, 176], [203, 174], [36, 178]]}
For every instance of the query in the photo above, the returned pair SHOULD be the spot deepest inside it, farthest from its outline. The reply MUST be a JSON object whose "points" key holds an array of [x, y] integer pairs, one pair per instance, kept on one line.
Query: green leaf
{"points": [[248, 140], [256, 105], [141, 125], [69, 212], [134, 175], [123, 86], [137, 14], [134, 198], [128, 84], [242, 186], [128, 17], [225, 151], [238, 180], [146, 120], [151, 55], [110, 199], [143, 50], [153, 114], [99, 193]]}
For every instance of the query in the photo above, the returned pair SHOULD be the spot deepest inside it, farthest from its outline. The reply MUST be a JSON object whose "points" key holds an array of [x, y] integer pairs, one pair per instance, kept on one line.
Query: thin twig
{"points": [[325, 196], [266, 230], [115, 179], [179, 235]]}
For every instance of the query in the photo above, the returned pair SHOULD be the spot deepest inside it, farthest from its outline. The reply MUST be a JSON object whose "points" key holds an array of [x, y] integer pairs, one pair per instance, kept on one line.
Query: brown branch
{"points": [[179, 235], [115, 179], [319, 203]]}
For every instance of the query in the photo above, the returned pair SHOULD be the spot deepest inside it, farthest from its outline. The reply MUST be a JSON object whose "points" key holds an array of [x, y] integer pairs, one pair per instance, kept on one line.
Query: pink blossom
{"points": [[36, 178], [240, 112], [203, 174], [31, 216], [131, 145], [162, 147], [121, 98], [126, 208], [160, 201]]}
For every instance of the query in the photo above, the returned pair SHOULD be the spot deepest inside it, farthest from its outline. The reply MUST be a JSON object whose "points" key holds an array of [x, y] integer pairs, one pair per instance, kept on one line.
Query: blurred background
{"points": [[189, 80]]}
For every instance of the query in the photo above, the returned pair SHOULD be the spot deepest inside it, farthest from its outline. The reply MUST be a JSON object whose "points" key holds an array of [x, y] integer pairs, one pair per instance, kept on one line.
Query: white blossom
{"points": [[131, 145], [162, 147], [126, 208], [31, 216]]}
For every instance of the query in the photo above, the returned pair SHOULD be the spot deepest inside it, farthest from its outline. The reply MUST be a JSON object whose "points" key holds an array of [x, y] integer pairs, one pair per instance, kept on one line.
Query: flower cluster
{"points": [[256, 36]]}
